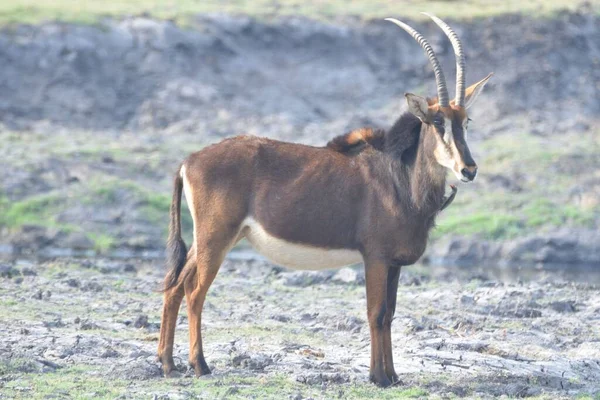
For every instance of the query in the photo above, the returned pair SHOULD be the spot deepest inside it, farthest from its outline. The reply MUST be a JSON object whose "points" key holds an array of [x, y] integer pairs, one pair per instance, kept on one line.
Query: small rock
{"points": [[88, 325], [141, 321], [110, 353], [140, 369], [78, 240], [280, 318], [139, 353], [568, 306], [8, 271], [467, 300], [91, 287], [33, 236], [72, 282], [307, 317], [18, 280], [57, 323], [350, 323], [318, 378], [256, 362], [28, 272], [349, 275], [129, 268], [41, 295]]}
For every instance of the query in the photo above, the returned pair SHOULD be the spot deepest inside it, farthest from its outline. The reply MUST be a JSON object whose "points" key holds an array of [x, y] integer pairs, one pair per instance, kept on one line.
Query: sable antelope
{"points": [[369, 196]]}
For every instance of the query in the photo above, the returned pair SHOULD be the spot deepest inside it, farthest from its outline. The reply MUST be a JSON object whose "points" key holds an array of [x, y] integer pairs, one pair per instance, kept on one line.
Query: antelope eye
{"points": [[439, 125]]}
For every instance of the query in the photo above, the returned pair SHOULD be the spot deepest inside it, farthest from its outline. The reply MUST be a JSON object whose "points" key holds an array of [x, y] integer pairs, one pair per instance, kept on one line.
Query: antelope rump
{"points": [[368, 196]]}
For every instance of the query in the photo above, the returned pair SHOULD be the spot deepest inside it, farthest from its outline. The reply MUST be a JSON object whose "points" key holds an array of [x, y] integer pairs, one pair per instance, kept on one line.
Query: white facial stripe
{"points": [[449, 158], [448, 134]]}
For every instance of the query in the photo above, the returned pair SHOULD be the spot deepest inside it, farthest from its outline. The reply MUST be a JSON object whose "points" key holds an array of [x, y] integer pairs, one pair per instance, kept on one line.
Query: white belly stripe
{"points": [[295, 255]]}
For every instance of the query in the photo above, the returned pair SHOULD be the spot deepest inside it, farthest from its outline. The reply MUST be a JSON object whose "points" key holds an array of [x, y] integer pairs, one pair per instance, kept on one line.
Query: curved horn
{"points": [[437, 68], [460, 59]]}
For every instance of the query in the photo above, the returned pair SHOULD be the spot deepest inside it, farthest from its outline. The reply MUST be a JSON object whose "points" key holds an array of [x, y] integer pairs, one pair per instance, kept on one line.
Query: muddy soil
{"points": [[457, 333]]}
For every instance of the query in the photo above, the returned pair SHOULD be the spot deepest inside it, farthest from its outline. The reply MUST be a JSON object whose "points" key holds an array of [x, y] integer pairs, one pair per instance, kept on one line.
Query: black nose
{"points": [[469, 172]]}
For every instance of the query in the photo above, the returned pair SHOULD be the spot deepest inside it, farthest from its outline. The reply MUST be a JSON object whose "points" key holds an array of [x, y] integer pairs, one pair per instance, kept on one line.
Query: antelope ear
{"points": [[417, 106], [474, 90]]}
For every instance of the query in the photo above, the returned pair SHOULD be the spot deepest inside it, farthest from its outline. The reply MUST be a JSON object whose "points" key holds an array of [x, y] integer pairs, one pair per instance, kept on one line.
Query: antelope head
{"points": [[445, 122]]}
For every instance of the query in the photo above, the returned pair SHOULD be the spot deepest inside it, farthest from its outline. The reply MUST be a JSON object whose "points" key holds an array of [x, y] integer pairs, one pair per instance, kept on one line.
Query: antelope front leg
{"points": [[376, 273], [392, 291]]}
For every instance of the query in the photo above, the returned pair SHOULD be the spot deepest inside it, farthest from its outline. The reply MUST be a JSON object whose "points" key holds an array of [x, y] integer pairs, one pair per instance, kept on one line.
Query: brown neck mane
{"points": [[419, 181]]}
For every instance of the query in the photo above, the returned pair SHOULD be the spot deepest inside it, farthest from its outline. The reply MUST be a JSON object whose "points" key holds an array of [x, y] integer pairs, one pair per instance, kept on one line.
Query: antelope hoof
{"points": [[382, 381], [394, 378], [173, 373], [168, 366], [200, 368]]}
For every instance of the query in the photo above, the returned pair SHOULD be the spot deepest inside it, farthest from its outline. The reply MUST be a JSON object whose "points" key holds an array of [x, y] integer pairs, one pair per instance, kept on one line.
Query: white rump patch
{"points": [[296, 256], [187, 191]]}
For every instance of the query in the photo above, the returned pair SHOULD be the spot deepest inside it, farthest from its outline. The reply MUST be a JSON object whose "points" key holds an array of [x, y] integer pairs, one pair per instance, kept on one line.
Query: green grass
{"points": [[90, 11], [542, 211], [15, 365], [588, 397], [543, 203], [82, 382], [102, 241], [73, 382], [490, 225], [35, 210]]}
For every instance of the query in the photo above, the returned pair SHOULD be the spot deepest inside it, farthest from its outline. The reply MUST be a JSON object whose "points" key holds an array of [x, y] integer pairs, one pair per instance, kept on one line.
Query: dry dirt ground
{"points": [[88, 328]]}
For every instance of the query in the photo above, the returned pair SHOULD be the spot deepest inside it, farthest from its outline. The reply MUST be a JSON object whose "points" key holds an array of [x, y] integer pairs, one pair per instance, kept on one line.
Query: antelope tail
{"points": [[176, 250]]}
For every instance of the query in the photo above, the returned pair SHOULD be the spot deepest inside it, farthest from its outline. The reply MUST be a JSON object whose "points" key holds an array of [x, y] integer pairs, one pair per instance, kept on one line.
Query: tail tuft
{"points": [[176, 257], [176, 250]]}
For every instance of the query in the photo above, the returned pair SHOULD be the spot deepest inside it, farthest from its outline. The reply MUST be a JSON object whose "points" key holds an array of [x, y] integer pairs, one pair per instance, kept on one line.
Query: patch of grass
{"points": [[82, 382], [588, 397], [536, 167], [281, 386], [102, 241], [18, 365], [73, 382], [155, 208], [543, 211], [489, 225], [182, 11], [106, 194], [36, 210]]}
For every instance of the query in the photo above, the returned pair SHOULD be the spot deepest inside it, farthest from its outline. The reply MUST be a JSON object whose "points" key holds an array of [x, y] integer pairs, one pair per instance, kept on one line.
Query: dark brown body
{"points": [[290, 189], [369, 196], [379, 201]]}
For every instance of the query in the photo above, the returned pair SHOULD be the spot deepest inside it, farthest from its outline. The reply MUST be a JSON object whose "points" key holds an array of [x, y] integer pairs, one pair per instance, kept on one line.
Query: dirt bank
{"points": [[94, 120]]}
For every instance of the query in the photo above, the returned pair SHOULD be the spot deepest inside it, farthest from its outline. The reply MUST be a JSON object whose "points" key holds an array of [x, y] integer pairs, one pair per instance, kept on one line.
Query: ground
{"points": [[89, 329], [89, 143]]}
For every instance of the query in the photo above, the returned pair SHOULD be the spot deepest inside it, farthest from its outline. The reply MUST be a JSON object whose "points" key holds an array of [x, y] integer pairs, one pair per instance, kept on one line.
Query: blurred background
{"points": [[100, 101]]}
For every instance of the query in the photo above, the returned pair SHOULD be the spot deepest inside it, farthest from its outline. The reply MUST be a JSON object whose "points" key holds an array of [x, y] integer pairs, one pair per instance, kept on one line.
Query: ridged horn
{"points": [[442, 90], [459, 100]]}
